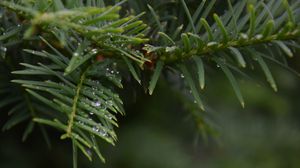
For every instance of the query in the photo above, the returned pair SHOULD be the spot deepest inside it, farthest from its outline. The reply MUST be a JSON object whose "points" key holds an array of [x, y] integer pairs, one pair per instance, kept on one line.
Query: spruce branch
{"points": [[217, 42], [178, 54], [219, 37], [86, 108], [102, 26]]}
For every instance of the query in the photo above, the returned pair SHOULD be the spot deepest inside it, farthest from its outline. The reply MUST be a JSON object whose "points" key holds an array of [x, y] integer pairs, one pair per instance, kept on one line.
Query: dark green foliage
{"points": [[63, 62]]}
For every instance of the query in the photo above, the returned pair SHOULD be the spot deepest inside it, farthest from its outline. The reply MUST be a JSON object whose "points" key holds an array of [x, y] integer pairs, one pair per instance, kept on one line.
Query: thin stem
{"points": [[236, 43], [75, 103]]}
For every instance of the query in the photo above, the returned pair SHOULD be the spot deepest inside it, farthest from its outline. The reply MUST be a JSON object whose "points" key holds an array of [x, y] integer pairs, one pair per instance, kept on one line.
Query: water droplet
{"points": [[244, 36], [89, 152], [61, 84], [95, 128], [213, 43], [3, 52], [76, 54], [94, 51], [259, 36], [108, 116], [96, 104], [102, 132], [91, 113], [81, 123], [119, 80], [195, 101], [181, 76]]}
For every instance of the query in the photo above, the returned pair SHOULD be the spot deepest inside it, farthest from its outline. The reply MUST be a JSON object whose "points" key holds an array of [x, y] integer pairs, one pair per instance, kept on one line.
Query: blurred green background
{"points": [[158, 132]]}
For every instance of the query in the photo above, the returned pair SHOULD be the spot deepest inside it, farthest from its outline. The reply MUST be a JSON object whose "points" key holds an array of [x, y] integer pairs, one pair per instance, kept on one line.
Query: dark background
{"points": [[158, 132]]}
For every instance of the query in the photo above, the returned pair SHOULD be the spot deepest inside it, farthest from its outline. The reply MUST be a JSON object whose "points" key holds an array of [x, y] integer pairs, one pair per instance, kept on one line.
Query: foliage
{"points": [[64, 62]]}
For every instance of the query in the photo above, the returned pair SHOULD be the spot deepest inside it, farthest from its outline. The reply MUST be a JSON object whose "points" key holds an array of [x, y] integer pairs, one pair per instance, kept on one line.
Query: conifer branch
{"points": [[72, 52], [212, 47]]}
